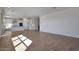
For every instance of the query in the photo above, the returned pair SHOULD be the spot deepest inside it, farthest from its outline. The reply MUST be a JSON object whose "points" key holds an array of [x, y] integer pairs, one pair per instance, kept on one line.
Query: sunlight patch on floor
{"points": [[14, 38], [20, 36], [28, 42], [23, 38], [21, 47], [16, 42], [21, 43]]}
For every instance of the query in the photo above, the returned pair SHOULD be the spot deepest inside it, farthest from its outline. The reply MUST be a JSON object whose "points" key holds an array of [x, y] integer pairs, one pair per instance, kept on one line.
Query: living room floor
{"points": [[6, 42], [42, 41]]}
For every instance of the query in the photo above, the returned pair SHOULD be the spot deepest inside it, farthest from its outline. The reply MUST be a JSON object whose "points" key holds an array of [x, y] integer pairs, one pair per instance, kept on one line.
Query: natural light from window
{"points": [[21, 43], [8, 25]]}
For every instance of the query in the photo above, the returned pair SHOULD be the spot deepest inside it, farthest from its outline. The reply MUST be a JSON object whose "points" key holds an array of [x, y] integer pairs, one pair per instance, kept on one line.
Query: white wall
{"points": [[35, 23], [64, 22], [25, 24]]}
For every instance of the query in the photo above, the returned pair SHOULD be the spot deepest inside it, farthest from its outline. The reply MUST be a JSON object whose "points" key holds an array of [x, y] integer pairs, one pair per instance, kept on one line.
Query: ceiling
{"points": [[27, 12]]}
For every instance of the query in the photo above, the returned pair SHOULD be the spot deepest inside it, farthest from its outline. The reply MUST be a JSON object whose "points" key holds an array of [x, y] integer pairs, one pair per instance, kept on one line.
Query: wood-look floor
{"points": [[6, 43], [43, 41]]}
